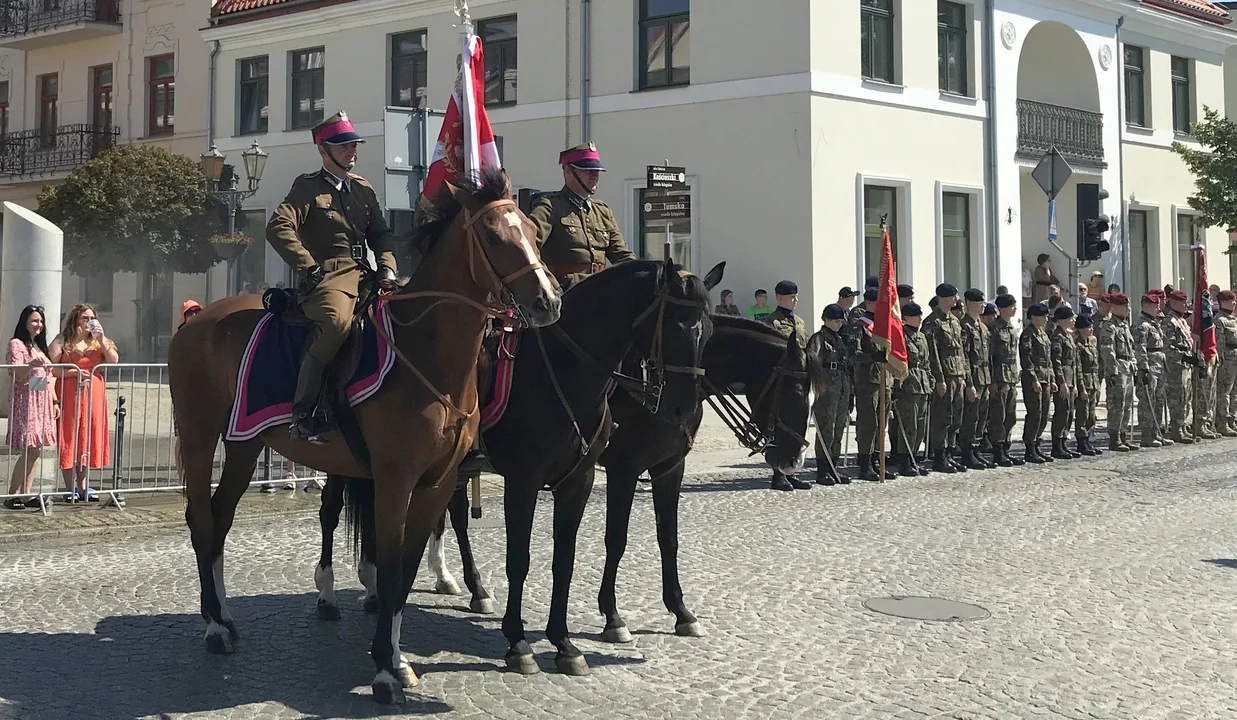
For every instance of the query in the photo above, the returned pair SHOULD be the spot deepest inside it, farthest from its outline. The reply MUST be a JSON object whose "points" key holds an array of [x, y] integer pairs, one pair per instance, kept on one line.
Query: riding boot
{"points": [[1084, 446], [866, 471], [969, 460], [1017, 461], [940, 464], [474, 460], [305, 402]]}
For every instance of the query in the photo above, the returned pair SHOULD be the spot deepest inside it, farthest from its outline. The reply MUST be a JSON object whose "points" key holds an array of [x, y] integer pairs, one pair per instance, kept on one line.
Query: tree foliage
{"points": [[136, 208], [1214, 168]]}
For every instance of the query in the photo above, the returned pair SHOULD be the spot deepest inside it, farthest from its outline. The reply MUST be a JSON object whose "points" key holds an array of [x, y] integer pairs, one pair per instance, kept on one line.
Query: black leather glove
{"points": [[313, 276], [385, 273], [1191, 360]]}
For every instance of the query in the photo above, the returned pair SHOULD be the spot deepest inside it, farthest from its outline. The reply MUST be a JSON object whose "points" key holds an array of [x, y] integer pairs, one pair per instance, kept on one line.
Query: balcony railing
{"points": [[51, 150], [1077, 134], [22, 17]]}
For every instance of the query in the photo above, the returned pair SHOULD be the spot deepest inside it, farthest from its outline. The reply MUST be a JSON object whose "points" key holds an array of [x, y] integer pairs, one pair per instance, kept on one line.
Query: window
{"points": [[101, 96], [253, 89], [1183, 112], [878, 201], [498, 36], [401, 224], [4, 108], [97, 290], [49, 90], [1140, 258], [665, 43], [956, 239], [876, 39], [162, 95], [1188, 229], [308, 87], [652, 234], [251, 267], [408, 69], [1135, 86], [951, 49]]}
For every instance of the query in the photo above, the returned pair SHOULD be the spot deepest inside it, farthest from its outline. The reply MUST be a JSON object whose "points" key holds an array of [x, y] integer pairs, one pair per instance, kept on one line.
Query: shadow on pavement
{"points": [[1223, 562]]}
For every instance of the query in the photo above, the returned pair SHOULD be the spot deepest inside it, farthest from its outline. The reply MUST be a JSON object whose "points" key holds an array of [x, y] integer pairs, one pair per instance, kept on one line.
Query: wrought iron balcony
{"points": [[30, 24], [60, 149], [1077, 134]]}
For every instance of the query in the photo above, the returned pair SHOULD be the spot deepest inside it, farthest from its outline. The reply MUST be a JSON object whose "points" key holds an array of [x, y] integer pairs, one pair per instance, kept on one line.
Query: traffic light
{"points": [[1092, 224]]}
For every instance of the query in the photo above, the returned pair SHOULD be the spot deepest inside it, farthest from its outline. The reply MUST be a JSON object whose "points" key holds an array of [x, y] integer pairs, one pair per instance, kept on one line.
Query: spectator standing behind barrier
{"points": [[761, 309], [32, 409], [727, 306], [83, 416]]}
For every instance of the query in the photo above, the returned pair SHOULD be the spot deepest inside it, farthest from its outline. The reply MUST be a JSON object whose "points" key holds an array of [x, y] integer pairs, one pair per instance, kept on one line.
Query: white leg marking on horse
{"points": [[542, 277], [396, 621], [216, 571], [444, 583], [324, 579], [367, 573], [215, 629]]}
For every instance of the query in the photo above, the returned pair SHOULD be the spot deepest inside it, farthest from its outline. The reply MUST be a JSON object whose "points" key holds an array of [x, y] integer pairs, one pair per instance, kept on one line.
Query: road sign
{"points": [[1052, 173], [666, 177], [667, 207], [1052, 219]]}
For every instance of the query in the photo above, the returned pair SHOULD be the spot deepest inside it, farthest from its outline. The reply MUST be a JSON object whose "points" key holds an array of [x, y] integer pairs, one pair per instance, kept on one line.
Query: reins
{"points": [[754, 436]]}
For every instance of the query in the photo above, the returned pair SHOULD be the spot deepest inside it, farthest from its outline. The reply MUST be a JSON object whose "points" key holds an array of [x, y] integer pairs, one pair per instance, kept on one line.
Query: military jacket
{"points": [[1035, 353], [919, 374], [1226, 338], [869, 359], [1149, 343], [1003, 344], [831, 352], [977, 340], [576, 232], [1178, 342], [787, 323], [1064, 358], [1098, 322], [946, 352], [319, 224], [1116, 345], [1088, 364]]}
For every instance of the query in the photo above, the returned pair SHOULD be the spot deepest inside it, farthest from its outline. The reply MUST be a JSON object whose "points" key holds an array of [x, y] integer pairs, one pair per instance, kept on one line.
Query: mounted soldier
{"points": [[576, 232], [322, 229]]}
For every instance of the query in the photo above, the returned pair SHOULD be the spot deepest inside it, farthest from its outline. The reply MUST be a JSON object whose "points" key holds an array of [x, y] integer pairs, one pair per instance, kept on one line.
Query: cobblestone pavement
{"points": [[1110, 584]]}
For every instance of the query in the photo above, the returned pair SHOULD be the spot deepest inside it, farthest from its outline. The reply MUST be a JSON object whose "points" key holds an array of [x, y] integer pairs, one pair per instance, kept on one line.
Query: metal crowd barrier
{"points": [[140, 436]]}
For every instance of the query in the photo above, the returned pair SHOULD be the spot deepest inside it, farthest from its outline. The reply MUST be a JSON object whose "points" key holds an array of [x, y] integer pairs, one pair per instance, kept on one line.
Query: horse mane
{"points": [[745, 326], [492, 185]]}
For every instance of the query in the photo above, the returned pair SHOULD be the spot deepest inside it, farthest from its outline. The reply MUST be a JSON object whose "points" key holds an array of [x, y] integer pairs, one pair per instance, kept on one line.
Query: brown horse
{"points": [[417, 427]]}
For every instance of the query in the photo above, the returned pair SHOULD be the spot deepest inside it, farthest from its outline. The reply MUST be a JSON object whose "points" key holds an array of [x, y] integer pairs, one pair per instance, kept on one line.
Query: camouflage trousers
{"points": [[946, 417], [1037, 402], [1084, 407], [1226, 393], [910, 422], [1121, 402], [832, 412], [1063, 412], [867, 418], [1179, 396], [974, 417], [1150, 387], [1204, 397], [1002, 413]]}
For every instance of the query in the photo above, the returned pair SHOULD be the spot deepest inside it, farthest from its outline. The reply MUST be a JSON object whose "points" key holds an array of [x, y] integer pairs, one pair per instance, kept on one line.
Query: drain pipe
{"points": [[990, 167], [586, 19], [1124, 257], [210, 134]]}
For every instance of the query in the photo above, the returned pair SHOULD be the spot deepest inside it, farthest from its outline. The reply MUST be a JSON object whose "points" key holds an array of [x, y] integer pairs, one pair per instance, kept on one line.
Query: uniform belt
{"points": [[830, 366], [576, 268]]}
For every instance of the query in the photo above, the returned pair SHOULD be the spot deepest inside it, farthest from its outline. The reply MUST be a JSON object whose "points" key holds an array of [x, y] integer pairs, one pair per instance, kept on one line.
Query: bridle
{"points": [[752, 434]]}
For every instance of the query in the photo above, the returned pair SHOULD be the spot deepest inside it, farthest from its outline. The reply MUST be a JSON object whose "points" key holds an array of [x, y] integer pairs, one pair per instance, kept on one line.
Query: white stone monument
{"points": [[31, 267]]}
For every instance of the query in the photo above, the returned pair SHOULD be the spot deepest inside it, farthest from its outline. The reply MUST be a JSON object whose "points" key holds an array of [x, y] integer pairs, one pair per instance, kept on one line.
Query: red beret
{"points": [[1178, 295], [1227, 295], [1106, 299], [1117, 299], [1153, 298]]}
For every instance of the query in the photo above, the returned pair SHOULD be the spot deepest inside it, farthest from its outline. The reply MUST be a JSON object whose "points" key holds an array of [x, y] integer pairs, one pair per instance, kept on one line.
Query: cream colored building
{"points": [[800, 123], [76, 77]]}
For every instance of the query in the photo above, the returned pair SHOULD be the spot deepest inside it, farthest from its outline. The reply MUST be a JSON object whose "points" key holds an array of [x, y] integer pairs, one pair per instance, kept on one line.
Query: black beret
{"points": [[974, 295], [871, 294], [989, 309], [946, 290], [1004, 301], [1039, 309], [1083, 321], [1063, 312], [912, 310], [872, 281], [786, 287], [933, 302], [833, 311], [905, 291]]}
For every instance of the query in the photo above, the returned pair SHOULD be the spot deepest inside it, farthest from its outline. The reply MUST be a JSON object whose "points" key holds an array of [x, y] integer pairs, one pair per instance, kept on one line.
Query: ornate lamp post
{"points": [[221, 184]]}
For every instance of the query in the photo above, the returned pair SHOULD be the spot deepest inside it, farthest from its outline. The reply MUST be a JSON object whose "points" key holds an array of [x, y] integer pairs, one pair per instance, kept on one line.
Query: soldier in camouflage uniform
{"points": [[1065, 368], [975, 344], [910, 396], [1119, 358], [869, 361], [1181, 359], [1152, 368], [947, 358], [786, 322], [1035, 356], [1088, 385], [828, 356], [1003, 395], [1226, 376]]}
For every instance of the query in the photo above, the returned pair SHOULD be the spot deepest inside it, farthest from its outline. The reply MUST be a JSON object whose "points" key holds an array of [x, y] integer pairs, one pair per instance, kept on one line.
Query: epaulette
{"points": [[312, 175]]}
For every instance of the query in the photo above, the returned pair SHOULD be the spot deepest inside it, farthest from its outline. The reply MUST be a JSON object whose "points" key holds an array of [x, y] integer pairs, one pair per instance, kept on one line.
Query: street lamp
{"points": [[224, 190]]}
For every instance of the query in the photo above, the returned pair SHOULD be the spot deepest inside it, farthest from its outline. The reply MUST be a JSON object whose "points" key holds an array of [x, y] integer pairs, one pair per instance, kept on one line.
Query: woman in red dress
{"points": [[83, 415]]}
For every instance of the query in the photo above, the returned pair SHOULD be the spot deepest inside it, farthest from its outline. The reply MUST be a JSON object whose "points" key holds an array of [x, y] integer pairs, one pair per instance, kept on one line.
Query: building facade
{"points": [[78, 77], [801, 124]]}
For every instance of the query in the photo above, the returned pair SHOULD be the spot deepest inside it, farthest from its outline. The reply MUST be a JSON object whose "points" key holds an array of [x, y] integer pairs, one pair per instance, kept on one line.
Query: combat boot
{"points": [[1000, 456], [1084, 446], [798, 484], [781, 483], [866, 471], [1181, 437], [1151, 443], [1228, 431], [1074, 454], [826, 476], [1040, 453], [922, 467], [1031, 454], [940, 464], [1164, 440], [876, 467], [983, 460], [969, 460], [1058, 449], [906, 465], [950, 457], [1125, 440], [1017, 461]]}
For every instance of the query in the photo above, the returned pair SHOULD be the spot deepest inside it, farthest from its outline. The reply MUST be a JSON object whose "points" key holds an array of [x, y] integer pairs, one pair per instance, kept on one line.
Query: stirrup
{"points": [[303, 429]]}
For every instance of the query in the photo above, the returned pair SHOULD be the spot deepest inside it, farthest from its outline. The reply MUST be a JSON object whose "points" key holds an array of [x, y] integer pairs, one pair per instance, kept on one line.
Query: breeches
{"points": [[331, 313]]}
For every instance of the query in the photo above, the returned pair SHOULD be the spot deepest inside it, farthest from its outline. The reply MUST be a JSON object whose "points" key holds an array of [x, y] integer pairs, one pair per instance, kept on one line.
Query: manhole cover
{"points": [[927, 608], [1088, 473]]}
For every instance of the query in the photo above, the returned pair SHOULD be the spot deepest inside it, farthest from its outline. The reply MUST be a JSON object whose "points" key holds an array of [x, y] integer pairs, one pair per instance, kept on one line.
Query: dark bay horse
{"points": [[558, 422], [417, 426]]}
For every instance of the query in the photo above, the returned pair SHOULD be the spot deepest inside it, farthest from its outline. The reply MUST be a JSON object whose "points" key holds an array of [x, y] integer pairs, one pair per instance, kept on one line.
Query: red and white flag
{"points": [[887, 316], [1203, 320], [466, 141]]}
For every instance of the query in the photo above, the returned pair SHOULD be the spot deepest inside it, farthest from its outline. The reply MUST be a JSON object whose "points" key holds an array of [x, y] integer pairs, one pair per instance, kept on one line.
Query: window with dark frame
{"points": [[409, 69], [498, 37], [308, 83], [876, 40], [665, 43], [4, 108], [49, 92], [1135, 85], [102, 96], [1187, 235], [956, 239], [877, 201], [162, 94], [1183, 112], [253, 93], [951, 47]]}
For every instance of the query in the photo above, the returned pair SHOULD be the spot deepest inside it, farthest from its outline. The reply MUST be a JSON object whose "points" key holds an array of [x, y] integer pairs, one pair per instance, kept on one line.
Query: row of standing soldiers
{"points": [[966, 365]]}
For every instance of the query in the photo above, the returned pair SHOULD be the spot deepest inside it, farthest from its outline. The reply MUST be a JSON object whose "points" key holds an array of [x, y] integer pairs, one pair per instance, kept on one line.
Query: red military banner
{"points": [[1202, 323], [887, 315]]}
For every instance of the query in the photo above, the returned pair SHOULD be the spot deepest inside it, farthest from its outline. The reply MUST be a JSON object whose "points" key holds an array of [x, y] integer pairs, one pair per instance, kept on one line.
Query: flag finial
{"points": [[461, 11]]}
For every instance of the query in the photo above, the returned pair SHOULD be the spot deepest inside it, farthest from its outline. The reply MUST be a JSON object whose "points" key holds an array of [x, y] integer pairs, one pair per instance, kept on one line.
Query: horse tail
{"points": [[359, 510]]}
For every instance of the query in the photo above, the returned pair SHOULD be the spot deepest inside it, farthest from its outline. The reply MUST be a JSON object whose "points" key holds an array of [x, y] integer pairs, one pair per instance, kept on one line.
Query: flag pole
{"points": [[882, 412]]}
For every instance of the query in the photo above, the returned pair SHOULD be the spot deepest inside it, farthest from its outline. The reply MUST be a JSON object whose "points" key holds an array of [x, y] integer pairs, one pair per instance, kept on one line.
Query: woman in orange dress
{"points": [[83, 415]]}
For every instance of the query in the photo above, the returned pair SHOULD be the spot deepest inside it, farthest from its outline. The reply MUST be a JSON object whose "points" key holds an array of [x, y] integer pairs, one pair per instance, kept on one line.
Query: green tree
{"points": [[1214, 168], [136, 208]]}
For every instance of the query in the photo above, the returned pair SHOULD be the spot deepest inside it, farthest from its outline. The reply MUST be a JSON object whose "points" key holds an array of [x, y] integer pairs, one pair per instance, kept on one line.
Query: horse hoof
{"points": [[576, 666], [231, 626], [689, 629], [219, 643], [482, 606], [327, 611], [619, 634], [387, 690], [523, 664], [407, 676], [371, 604], [447, 587]]}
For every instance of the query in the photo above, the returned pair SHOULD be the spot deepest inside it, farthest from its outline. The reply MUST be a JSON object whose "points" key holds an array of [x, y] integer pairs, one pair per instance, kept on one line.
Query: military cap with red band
{"points": [[582, 157], [336, 130]]}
